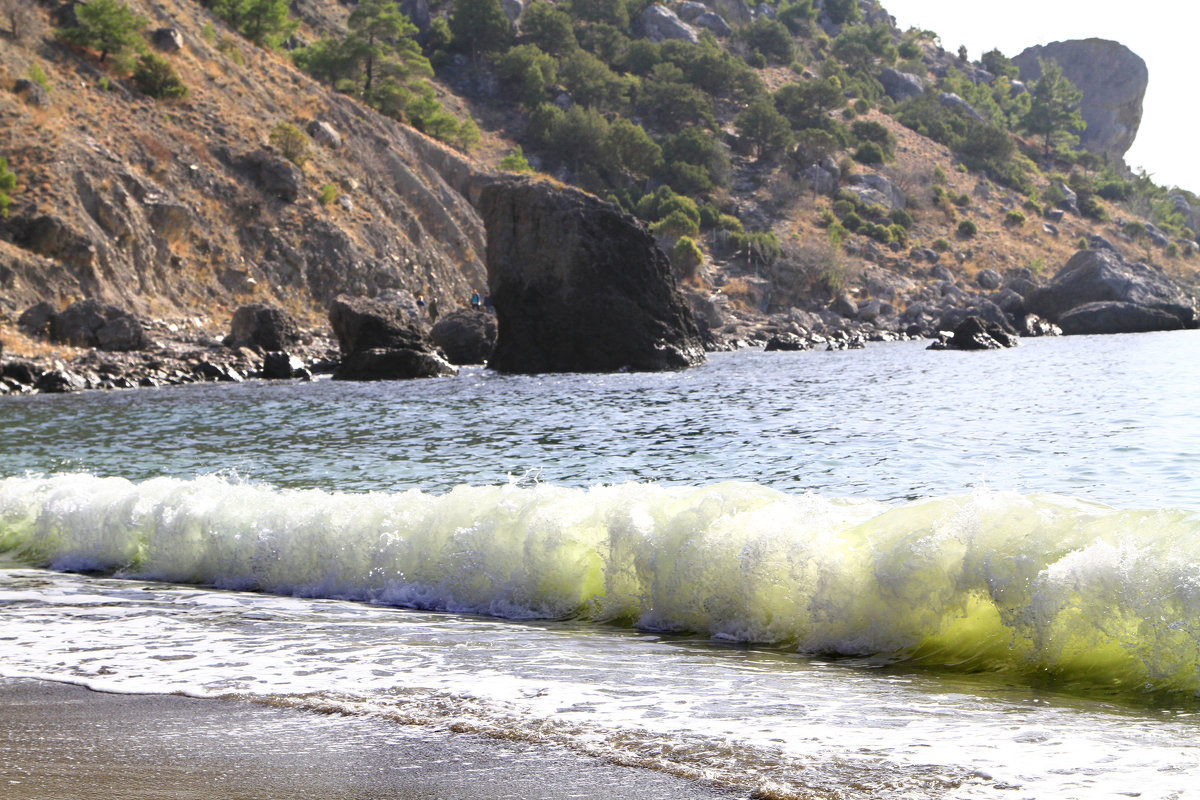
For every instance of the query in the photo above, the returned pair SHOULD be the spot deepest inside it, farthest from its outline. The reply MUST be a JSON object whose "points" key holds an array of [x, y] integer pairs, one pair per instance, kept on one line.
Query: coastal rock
{"points": [[1102, 276], [60, 381], [1113, 80], [1032, 326], [465, 336], [989, 279], [261, 325], [89, 323], [659, 23], [378, 342], [785, 342], [35, 320], [579, 286], [279, 365], [1115, 317], [974, 333]]}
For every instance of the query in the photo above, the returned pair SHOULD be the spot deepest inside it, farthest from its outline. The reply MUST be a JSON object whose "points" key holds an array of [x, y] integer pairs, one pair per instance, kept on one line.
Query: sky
{"points": [[1162, 32]]}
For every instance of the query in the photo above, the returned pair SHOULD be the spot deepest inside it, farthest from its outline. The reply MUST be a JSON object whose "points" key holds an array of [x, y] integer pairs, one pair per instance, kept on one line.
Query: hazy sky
{"points": [[1162, 32]]}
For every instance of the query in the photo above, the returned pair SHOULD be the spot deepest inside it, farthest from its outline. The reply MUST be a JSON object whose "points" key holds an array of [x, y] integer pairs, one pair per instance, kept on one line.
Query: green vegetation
{"points": [[106, 26], [515, 161], [8, 182], [38, 75], [264, 22], [1054, 111], [328, 194], [291, 142], [155, 77]]}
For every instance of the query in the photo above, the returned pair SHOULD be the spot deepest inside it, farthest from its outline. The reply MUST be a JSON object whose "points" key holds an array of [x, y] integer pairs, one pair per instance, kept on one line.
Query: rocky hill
{"points": [[183, 210]]}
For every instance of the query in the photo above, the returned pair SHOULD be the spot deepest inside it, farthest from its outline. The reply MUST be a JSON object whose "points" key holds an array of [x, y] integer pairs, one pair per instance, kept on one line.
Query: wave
{"points": [[1047, 587]]}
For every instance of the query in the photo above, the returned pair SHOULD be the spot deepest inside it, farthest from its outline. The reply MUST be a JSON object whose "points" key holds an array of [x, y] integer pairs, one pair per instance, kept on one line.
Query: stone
{"points": [[785, 342], [1032, 326], [52, 236], [21, 372], [820, 180], [280, 365], [689, 10], [1055, 215], [274, 174], [714, 23], [579, 286], [324, 134], [89, 323], [955, 103], [844, 306], [1103, 276], [168, 40], [169, 220], [512, 9], [989, 279], [1113, 80], [379, 342], [35, 320], [465, 336], [222, 373], [901, 85], [264, 326], [974, 333], [31, 92], [1116, 317], [659, 23], [60, 381], [893, 196]]}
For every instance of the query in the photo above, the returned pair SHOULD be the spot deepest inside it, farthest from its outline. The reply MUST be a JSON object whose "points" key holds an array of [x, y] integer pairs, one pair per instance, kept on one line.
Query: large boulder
{"points": [[1102, 276], [261, 325], [974, 333], [1115, 317], [1113, 80], [659, 23], [465, 336], [275, 175], [901, 85], [89, 323], [579, 286], [378, 342]]}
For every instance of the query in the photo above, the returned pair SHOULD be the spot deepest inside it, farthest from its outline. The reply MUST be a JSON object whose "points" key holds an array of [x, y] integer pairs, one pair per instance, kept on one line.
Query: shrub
{"points": [[686, 256], [1014, 219], [727, 222], [843, 207], [1172, 250], [8, 182], [967, 229], [939, 176], [675, 224], [328, 194], [38, 75], [107, 26], [941, 245], [852, 222], [902, 218], [899, 234], [155, 77], [291, 142], [879, 233], [869, 153], [515, 161]]}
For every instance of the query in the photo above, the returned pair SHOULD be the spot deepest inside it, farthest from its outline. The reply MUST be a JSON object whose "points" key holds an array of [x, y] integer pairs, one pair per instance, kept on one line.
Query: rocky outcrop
{"points": [[1113, 80], [378, 342], [1104, 277], [260, 325], [659, 23], [465, 336], [579, 286], [87, 323], [901, 85], [974, 333]]}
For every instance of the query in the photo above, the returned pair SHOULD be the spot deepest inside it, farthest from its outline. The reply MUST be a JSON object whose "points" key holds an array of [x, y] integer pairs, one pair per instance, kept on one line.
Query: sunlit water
{"points": [[886, 573]]}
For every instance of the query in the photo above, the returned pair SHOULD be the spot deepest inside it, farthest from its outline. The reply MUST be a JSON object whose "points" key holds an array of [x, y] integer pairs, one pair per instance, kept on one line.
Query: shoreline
{"points": [[60, 740]]}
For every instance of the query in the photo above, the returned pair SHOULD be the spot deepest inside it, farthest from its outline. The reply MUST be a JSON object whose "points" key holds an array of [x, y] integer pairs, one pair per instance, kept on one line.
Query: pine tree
{"points": [[107, 26], [480, 26], [1054, 110]]}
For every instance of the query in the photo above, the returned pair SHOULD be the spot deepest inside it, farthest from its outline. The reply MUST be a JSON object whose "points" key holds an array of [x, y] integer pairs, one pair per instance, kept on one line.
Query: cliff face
{"points": [[1113, 80], [182, 208]]}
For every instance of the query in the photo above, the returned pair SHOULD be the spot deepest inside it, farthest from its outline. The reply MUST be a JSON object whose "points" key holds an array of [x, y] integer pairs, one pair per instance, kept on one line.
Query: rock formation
{"points": [[1113, 80], [465, 336], [1097, 291], [579, 286], [378, 343]]}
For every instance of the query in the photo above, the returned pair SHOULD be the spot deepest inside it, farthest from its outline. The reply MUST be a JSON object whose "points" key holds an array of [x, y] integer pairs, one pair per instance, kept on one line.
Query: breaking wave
{"points": [[1045, 587]]}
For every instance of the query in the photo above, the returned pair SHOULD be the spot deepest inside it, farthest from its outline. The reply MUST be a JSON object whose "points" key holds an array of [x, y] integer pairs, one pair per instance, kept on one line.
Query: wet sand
{"points": [[61, 741]]}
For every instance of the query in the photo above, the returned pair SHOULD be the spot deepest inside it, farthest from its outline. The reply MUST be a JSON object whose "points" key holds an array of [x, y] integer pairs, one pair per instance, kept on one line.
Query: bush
{"points": [[852, 222], [902, 218], [899, 234], [328, 194], [515, 161], [941, 246], [155, 77], [869, 153], [967, 229], [291, 142], [8, 182], [686, 257], [675, 225], [1014, 219]]}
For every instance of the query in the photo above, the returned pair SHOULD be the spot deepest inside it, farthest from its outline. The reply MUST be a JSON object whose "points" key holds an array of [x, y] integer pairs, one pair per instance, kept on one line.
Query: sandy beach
{"points": [[62, 741]]}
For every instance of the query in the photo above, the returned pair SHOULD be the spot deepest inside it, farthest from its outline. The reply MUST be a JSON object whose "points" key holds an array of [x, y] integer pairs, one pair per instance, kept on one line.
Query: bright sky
{"points": [[1162, 32]]}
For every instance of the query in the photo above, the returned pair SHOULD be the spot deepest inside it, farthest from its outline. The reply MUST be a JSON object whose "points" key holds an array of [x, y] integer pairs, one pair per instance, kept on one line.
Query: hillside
{"points": [[793, 190]]}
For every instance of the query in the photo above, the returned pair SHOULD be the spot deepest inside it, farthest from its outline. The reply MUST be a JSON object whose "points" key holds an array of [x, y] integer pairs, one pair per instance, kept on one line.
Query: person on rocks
{"points": [[475, 301], [433, 309], [487, 303], [421, 302]]}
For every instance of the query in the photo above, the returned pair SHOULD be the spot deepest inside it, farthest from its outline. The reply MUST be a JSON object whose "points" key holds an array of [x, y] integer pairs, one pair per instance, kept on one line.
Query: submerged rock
{"points": [[579, 286]]}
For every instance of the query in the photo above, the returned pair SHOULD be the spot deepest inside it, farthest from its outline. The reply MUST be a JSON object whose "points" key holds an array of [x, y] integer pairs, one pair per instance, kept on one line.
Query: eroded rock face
{"points": [[579, 286], [1102, 277], [1113, 80], [465, 336], [261, 325], [659, 23]]}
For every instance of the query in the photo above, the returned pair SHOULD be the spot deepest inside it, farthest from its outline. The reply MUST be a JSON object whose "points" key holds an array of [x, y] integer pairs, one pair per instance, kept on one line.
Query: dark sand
{"points": [[61, 741]]}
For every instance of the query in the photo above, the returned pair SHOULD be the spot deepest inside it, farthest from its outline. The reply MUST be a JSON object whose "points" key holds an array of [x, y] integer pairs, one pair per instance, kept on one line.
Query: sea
{"points": [[884, 573]]}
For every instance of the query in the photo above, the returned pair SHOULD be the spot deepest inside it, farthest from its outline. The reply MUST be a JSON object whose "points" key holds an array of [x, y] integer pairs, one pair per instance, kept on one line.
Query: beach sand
{"points": [[63, 741]]}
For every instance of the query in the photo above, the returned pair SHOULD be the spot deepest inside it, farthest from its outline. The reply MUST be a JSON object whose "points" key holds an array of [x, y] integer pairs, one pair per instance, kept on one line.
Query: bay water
{"points": [[879, 573]]}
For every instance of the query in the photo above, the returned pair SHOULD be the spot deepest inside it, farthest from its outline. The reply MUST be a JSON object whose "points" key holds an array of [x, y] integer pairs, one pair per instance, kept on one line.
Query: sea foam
{"points": [[1043, 586]]}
